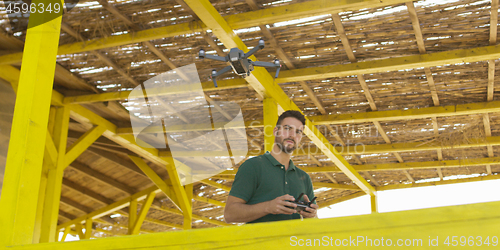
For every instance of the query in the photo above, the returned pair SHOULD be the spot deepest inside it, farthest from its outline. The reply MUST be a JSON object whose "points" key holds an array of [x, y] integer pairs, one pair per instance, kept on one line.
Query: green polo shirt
{"points": [[263, 178]]}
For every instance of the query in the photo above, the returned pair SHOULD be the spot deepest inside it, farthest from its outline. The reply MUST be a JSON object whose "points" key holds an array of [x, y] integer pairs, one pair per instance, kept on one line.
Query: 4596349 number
{"points": [[24, 8], [471, 241]]}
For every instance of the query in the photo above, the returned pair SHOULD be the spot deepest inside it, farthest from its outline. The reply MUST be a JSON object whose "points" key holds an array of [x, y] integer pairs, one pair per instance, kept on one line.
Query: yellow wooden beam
{"points": [[132, 215], [113, 41], [164, 185], [55, 177], [178, 189], [51, 149], [210, 201], [424, 228], [270, 119], [78, 229], [300, 10], [188, 218], [49, 161], [335, 186], [170, 90], [186, 127], [142, 214], [216, 185], [364, 149], [392, 64], [265, 86], [437, 183], [12, 75], [78, 147], [400, 166], [374, 203], [88, 229], [29, 126], [66, 231], [429, 164], [394, 115]]}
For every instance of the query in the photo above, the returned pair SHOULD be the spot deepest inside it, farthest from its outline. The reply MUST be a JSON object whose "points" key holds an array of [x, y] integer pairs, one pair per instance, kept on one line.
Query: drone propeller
{"points": [[201, 54], [260, 46]]}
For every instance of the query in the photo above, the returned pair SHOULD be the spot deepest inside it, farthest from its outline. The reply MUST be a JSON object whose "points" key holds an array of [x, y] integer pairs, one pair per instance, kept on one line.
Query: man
{"points": [[265, 185]]}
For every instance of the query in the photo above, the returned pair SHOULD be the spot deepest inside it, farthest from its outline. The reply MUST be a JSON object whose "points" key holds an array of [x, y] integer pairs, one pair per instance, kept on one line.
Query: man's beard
{"points": [[285, 149]]}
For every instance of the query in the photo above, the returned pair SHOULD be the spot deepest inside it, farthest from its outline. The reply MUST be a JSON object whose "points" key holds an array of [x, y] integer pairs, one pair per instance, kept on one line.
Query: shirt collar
{"points": [[275, 162]]}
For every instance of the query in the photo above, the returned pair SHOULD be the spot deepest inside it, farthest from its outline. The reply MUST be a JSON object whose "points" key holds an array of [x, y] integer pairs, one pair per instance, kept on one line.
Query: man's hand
{"points": [[280, 205], [311, 212]]}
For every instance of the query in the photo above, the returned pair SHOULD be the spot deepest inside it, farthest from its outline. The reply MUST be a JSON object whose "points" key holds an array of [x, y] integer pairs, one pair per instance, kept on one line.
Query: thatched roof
{"points": [[411, 84]]}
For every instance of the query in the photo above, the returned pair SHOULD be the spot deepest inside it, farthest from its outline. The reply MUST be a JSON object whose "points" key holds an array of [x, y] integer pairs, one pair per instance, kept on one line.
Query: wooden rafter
{"points": [[428, 73], [364, 86], [76, 205], [421, 48], [87, 192], [80, 167]]}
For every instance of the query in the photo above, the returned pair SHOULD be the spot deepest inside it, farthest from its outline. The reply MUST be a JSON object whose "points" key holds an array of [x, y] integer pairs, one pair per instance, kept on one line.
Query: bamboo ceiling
{"points": [[394, 150]]}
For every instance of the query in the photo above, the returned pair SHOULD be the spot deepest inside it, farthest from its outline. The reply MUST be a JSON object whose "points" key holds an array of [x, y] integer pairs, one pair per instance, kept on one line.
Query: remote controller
{"points": [[302, 205]]}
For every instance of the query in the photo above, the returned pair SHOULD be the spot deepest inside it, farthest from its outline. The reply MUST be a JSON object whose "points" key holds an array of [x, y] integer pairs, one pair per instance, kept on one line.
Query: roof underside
{"points": [[103, 174]]}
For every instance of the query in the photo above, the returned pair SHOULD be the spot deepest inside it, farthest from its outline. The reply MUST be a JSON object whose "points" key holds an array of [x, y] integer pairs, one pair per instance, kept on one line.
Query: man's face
{"points": [[288, 134]]}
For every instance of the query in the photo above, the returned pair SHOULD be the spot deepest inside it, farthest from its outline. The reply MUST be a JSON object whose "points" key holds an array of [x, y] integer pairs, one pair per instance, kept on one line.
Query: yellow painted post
{"points": [[179, 191], [78, 229], [55, 176], [144, 211], [66, 231], [47, 161], [188, 216], [18, 205], [132, 215], [270, 119], [373, 202], [88, 228]]}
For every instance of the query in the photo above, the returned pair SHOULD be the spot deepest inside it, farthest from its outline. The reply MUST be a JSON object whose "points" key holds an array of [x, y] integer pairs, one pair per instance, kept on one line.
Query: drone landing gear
{"points": [[215, 74]]}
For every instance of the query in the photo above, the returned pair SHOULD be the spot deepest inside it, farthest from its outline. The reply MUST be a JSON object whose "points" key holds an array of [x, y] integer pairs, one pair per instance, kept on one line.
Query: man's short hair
{"points": [[291, 113]]}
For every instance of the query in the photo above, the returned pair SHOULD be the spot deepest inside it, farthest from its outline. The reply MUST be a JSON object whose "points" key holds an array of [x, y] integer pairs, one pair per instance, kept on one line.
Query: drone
{"points": [[239, 61]]}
